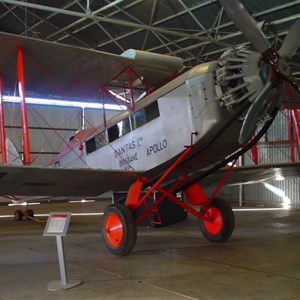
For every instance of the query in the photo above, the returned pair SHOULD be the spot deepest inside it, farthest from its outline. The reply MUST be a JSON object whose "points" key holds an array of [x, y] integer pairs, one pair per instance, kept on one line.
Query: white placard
{"points": [[57, 223]]}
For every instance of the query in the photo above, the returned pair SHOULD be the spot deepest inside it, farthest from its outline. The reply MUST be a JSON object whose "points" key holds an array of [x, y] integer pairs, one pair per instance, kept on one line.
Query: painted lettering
{"points": [[128, 159], [157, 147], [139, 141], [125, 148], [128, 147]]}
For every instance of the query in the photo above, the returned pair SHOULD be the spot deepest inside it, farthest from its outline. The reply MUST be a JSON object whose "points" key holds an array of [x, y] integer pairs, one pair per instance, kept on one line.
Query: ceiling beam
{"points": [[114, 21]]}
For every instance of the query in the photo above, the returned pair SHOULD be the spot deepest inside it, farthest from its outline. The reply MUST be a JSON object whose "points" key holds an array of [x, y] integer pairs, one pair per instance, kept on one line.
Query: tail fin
{"points": [[13, 157]]}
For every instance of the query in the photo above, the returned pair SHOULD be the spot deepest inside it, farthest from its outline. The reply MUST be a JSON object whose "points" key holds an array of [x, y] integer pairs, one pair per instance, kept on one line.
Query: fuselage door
{"points": [[198, 99]]}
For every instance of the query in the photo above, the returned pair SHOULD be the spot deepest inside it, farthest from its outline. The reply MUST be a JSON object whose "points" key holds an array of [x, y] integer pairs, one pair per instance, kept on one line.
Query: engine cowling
{"points": [[239, 77]]}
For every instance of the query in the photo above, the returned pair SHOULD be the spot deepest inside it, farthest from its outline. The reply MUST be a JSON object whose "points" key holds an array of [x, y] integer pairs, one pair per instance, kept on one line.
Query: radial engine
{"points": [[240, 76]]}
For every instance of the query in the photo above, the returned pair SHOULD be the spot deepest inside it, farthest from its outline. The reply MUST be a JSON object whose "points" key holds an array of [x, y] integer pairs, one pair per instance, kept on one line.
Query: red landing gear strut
{"points": [[119, 226]]}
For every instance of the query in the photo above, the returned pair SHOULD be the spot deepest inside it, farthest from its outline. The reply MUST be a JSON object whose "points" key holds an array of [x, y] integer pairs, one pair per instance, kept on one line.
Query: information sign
{"points": [[57, 224]]}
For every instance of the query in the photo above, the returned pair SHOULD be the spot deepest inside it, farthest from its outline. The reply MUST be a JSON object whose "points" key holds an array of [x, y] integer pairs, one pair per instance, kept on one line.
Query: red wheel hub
{"points": [[214, 222], [114, 230]]}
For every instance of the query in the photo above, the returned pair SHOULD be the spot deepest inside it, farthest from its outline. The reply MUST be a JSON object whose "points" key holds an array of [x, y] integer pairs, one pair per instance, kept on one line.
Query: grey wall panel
{"points": [[41, 159], [278, 130], [44, 143], [49, 127], [43, 116], [94, 118], [274, 194], [269, 154], [274, 148]]}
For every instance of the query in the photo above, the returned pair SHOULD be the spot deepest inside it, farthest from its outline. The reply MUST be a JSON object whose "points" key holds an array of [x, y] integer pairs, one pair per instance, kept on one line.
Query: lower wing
{"points": [[253, 174], [51, 181]]}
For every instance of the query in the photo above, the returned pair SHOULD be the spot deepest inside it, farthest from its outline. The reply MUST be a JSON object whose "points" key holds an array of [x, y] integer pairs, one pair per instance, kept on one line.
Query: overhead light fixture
{"points": [[24, 203], [73, 214], [81, 201], [65, 103], [258, 209]]}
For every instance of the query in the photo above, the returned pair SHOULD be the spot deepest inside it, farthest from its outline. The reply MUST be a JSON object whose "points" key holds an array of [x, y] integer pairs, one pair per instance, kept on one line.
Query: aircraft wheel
{"points": [[119, 229], [18, 215], [220, 226], [29, 213]]}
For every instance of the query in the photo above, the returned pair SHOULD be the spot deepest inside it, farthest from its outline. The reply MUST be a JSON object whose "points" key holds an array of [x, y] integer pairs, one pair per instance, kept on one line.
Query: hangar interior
{"points": [[261, 259], [196, 31], [196, 24]]}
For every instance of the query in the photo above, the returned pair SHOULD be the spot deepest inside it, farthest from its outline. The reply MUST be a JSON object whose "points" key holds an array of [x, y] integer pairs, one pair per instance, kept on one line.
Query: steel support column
{"points": [[289, 121], [296, 128], [21, 86], [2, 126]]}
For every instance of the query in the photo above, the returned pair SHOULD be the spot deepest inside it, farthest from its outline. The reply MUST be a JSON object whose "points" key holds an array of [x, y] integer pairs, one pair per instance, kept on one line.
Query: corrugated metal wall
{"points": [[49, 127], [273, 148]]}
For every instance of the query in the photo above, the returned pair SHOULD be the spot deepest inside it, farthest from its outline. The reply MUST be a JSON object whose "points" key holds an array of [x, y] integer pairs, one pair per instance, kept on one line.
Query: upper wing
{"points": [[59, 70], [51, 181], [254, 174]]}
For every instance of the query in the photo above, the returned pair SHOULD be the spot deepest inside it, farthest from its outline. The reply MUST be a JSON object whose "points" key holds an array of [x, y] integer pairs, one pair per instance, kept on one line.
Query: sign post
{"points": [[57, 225]]}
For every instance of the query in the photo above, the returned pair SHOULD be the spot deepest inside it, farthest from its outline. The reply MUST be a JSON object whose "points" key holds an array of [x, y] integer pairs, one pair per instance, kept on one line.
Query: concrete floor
{"points": [[261, 260]]}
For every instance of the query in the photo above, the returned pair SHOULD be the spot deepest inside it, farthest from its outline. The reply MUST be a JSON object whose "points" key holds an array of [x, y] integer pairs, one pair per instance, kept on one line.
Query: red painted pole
{"points": [[2, 127], [254, 152], [296, 127], [103, 110], [131, 89], [21, 86], [294, 119], [288, 115]]}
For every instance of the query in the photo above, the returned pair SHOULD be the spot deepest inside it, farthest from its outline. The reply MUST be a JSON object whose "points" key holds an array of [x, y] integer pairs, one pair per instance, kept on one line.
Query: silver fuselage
{"points": [[186, 105]]}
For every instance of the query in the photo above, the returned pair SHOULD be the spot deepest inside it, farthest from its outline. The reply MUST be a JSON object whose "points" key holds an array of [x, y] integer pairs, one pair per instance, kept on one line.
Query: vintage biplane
{"points": [[177, 137]]}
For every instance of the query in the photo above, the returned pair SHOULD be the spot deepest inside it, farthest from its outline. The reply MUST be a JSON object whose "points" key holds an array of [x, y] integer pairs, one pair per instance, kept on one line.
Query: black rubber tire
{"points": [[29, 213], [124, 218], [18, 215], [223, 230]]}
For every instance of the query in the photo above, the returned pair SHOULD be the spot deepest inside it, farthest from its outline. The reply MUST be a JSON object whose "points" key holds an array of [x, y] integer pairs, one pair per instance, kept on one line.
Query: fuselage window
{"points": [[113, 133], [145, 115], [138, 119], [90, 145], [118, 130], [124, 127], [95, 142], [100, 140], [152, 111]]}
